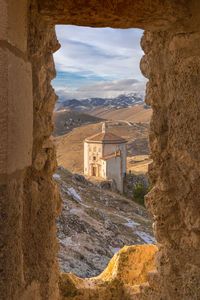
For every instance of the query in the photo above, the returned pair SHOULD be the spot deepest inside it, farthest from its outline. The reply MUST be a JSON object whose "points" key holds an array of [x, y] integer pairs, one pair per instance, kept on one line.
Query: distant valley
{"points": [[75, 120], [70, 145], [95, 222]]}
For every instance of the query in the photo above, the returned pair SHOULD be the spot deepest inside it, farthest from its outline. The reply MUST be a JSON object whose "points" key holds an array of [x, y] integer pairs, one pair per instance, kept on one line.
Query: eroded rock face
{"points": [[172, 64], [151, 15], [42, 202], [127, 269]]}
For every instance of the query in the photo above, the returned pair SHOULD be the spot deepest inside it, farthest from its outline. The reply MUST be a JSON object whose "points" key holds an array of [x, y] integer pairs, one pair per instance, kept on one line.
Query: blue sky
{"points": [[97, 59]]}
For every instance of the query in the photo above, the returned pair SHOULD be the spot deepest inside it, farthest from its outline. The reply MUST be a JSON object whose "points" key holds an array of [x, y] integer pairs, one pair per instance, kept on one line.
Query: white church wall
{"points": [[92, 159], [112, 148], [124, 159], [113, 171], [104, 175], [86, 163], [109, 149]]}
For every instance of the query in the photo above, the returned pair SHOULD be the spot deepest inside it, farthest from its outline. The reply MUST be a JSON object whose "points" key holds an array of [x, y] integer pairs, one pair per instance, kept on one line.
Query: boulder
{"points": [[109, 185]]}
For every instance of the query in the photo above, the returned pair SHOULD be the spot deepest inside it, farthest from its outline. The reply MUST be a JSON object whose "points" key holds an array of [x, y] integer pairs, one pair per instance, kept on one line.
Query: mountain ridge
{"points": [[123, 100]]}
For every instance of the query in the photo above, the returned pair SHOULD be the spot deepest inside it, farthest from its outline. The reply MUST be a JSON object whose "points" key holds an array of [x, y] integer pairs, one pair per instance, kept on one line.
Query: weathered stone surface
{"points": [[3, 20], [16, 120], [13, 24], [17, 110], [151, 15], [29, 197], [20, 114], [11, 258], [173, 91], [127, 269], [3, 112], [42, 202]]}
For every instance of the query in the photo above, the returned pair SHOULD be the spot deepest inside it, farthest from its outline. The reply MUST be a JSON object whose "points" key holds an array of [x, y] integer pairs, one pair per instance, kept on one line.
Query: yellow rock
{"points": [[127, 268]]}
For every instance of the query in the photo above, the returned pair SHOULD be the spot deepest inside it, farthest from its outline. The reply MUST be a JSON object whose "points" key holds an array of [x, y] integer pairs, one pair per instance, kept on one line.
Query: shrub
{"points": [[139, 192]]}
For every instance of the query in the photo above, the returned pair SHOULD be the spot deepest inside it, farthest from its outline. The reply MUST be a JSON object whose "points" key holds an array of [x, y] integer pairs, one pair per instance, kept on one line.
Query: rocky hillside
{"points": [[95, 224]]}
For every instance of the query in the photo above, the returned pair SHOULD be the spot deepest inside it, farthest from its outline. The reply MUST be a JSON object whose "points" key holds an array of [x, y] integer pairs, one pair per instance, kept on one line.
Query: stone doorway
{"points": [[94, 171]]}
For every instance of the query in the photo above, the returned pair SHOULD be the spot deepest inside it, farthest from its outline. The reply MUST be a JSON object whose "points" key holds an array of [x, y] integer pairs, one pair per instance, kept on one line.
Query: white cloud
{"points": [[104, 52], [105, 89]]}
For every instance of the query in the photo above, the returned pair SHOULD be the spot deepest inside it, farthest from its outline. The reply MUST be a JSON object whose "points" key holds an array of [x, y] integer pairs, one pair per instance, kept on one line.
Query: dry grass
{"points": [[70, 146], [130, 114]]}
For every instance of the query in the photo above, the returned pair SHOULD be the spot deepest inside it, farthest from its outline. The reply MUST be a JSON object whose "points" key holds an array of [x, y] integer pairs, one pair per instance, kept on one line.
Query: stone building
{"points": [[105, 156]]}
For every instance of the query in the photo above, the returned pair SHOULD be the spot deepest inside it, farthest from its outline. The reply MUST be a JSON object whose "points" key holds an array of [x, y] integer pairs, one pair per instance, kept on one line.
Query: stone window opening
{"points": [[95, 170], [30, 201]]}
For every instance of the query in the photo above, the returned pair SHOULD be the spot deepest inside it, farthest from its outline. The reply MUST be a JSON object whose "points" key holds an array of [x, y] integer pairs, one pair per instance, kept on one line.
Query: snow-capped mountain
{"points": [[131, 99]]}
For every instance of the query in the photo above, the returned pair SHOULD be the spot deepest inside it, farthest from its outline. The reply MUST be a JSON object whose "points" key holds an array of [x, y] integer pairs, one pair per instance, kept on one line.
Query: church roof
{"points": [[107, 138]]}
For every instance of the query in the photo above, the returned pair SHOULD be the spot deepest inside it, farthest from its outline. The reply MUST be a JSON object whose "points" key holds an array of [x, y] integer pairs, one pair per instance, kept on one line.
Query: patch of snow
{"points": [[146, 237], [114, 250], [75, 210], [68, 241], [83, 204], [56, 176], [130, 223], [74, 194]]}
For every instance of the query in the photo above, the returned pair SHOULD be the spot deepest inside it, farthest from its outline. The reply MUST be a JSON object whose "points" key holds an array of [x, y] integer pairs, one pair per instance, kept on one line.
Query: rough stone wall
{"points": [[16, 119], [28, 196], [146, 14], [172, 64], [42, 202]]}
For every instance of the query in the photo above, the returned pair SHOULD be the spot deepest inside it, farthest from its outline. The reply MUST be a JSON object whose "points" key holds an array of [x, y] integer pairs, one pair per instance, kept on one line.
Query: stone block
{"points": [[3, 20], [3, 110], [17, 20], [13, 23], [19, 113]]}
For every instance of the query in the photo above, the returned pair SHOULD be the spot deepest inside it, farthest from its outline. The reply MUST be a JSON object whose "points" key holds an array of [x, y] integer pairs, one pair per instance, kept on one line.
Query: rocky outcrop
{"points": [[127, 269], [172, 64], [80, 178], [109, 185]]}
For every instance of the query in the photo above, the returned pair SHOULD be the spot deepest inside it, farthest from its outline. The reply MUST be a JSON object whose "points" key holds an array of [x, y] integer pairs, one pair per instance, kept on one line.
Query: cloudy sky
{"points": [[101, 62]]}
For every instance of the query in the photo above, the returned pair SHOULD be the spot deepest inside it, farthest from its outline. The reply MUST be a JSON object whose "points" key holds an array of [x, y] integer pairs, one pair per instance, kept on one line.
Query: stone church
{"points": [[105, 156]]}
